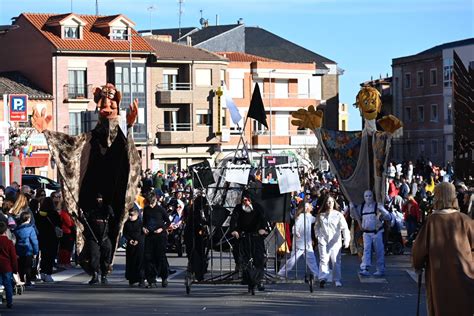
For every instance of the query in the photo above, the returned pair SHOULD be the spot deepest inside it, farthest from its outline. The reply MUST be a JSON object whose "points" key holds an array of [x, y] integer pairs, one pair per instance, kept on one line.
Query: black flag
{"points": [[257, 110]]}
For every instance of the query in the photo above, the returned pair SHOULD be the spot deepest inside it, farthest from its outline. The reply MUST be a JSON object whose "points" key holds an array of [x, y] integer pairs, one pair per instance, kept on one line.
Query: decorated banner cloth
{"points": [[348, 155]]}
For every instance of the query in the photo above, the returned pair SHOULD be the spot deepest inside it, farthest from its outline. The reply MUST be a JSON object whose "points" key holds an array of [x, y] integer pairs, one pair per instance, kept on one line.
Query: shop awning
{"points": [[36, 160]]}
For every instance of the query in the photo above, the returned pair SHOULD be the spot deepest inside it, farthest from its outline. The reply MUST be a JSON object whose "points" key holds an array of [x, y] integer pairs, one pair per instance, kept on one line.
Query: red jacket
{"points": [[8, 260], [411, 208]]}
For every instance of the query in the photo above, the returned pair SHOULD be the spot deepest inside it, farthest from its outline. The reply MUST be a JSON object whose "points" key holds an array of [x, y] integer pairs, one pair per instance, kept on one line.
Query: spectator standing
{"points": [[26, 247], [8, 263], [444, 248]]}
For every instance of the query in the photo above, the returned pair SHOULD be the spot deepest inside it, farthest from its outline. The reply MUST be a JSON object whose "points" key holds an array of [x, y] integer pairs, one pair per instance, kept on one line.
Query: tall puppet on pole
{"points": [[359, 160], [103, 161]]}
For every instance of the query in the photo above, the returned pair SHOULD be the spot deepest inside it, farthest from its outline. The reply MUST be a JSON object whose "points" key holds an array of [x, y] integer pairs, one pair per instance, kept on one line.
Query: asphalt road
{"points": [[395, 294]]}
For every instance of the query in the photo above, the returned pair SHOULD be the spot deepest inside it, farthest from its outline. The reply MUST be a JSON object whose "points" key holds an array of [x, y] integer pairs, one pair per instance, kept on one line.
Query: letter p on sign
{"points": [[18, 107]]}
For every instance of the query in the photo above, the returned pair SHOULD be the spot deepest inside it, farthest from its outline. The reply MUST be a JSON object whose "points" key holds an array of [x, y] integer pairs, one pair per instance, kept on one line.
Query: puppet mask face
{"points": [[368, 197], [369, 103], [108, 100]]}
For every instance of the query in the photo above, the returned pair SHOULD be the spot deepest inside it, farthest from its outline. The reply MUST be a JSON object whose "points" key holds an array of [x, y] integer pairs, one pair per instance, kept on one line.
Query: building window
{"points": [[281, 89], [258, 129], [203, 77], [449, 147], [408, 114], [407, 81], [448, 73], [419, 79], [434, 113], [449, 120], [203, 117], [223, 117], [77, 84], [72, 32], [421, 146], [170, 81], [222, 77], [176, 120], [434, 147], [236, 88], [75, 123], [119, 33], [433, 77], [421, 113], [122, 76]]}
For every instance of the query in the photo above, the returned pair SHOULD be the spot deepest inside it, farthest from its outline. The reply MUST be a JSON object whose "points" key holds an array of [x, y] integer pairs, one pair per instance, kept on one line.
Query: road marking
{"points": [[66, 274], [370, 279]]}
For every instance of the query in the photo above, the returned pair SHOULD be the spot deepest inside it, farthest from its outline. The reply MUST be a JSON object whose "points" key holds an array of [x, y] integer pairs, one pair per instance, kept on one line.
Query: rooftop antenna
{"points": [[151, 9], [96, 7], [180, 13], [71, 6]]}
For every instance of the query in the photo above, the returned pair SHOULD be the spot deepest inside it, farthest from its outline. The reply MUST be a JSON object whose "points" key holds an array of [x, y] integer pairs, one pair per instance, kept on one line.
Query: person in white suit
{"points": [[330, 223], [371, 216], [302, 241]]}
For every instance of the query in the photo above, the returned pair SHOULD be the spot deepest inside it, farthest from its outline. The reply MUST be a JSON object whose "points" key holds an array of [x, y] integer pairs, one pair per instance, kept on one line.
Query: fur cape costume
{"points": [[103, 160]]}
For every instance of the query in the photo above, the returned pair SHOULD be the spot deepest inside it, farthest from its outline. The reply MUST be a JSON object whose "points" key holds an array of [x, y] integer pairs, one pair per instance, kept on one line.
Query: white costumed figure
{"points": [[302, 240], [371, 216], [330, 223]]}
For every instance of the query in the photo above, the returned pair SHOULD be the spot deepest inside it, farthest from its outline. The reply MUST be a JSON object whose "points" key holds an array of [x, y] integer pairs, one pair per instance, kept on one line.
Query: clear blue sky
{"points": [[362, 36]]}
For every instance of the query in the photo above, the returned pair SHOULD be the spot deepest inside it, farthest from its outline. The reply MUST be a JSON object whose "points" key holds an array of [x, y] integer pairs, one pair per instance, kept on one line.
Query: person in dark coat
{"points": [[99, 246], [26, 247], [196, 234], [47, 223], [133, 234], [248, 227], [155, 224]]}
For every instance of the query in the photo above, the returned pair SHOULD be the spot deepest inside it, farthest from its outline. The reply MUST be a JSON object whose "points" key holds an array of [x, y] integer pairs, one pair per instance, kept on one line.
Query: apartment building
{"points": [[422, 86], [67, 55], [185, 112], [284, 88], [260, 42], [343, 116]]}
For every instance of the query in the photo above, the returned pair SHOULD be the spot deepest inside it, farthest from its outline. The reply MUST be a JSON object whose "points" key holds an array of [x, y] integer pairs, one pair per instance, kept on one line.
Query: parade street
{"points": [[395, 294]]}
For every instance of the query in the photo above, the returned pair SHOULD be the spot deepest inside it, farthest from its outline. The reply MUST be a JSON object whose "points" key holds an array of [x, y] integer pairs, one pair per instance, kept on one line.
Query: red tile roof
{"points": [[243, 57], [93, 38]]}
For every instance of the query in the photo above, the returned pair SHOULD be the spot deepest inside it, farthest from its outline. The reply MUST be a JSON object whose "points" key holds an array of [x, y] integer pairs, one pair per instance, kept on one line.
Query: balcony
{"points": [[181, 134], [77, 92], [173, 93]]}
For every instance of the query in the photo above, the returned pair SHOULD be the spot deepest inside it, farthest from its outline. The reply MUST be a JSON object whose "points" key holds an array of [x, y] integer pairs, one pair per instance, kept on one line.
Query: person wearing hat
{"points": [[248, 226], [97, 240]]}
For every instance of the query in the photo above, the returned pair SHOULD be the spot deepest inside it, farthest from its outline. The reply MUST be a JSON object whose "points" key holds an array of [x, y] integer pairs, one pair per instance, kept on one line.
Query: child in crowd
{"points": [[26, 247], [8, 263]]}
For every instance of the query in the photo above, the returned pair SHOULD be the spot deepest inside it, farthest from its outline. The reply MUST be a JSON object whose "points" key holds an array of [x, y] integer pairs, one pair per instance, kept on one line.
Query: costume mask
{"points": [[108, 101], [368, 197], [369, 103]]}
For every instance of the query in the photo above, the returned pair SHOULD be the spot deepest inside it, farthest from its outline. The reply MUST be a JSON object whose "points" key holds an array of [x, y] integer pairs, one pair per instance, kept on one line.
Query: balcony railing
{"points": [[174, 127], [173, 86], [78, 91]]}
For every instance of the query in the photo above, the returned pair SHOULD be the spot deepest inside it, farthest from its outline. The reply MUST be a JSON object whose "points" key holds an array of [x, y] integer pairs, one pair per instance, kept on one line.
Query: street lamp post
{"points": [[270, 103], [130, 59]]}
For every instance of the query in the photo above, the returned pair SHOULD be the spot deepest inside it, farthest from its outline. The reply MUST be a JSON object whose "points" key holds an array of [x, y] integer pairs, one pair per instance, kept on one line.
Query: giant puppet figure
{"points": [[358, 159], [102, 161]]}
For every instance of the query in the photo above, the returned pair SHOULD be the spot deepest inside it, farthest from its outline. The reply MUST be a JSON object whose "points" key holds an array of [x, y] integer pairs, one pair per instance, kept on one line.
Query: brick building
{"points": [[423, 99]]}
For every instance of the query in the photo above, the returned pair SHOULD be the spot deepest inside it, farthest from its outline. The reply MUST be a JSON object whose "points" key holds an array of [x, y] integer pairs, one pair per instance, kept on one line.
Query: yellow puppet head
{"points": [[369, 103]]}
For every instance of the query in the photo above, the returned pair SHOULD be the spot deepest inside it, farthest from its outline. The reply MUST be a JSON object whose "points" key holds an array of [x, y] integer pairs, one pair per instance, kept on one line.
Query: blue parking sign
{"points": [[18, 108]]}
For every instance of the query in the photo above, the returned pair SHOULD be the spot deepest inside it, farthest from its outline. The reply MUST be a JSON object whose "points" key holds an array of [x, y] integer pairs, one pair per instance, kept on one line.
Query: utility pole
{"points": [[151, 9], [96, 7], [180, 13]]}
